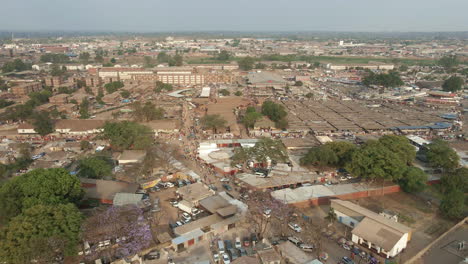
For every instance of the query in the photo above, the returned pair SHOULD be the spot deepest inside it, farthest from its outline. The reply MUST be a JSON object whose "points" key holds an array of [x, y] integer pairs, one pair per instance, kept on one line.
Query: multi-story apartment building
{"points": [[26, 88]]}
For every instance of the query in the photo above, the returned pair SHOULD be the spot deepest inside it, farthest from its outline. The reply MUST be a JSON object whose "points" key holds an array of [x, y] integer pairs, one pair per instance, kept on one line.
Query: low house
{"points": [[247, 260], [59, 99], [104, 191], [121, 199], [225, 214], [384, 236], [68, 126], [269, 256], [164, 127], [293, 254], [193, 193], [132, 156]]}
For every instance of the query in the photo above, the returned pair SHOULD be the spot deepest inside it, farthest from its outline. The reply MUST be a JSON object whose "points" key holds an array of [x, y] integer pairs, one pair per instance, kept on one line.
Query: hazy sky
{"points": [[235, 15]]}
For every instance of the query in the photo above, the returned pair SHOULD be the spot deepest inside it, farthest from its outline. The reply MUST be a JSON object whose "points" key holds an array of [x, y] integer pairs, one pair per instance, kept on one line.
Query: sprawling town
{"points": [[176, 148]]}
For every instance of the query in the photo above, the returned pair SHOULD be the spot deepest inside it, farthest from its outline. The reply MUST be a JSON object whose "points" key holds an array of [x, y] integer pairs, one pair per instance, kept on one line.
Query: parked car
{"points": [[186, 216], [170, 261], [307, 247], [296, 241], [174, 203], [215, 256], [254, 239], [356, 251], [179, 223], [224, 180], [226, 259], [267, 213], [234, 253], [228, 244], [246, 242], [295, 227], [152, 255], [173, 225], [347, 260], [227, 187], [238, 242], [169, 185], [346, 246], [243, 252]]}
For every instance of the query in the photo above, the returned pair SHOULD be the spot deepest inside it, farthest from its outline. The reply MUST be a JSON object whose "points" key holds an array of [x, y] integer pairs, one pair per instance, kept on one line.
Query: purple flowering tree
{"points": [[124, 226]]}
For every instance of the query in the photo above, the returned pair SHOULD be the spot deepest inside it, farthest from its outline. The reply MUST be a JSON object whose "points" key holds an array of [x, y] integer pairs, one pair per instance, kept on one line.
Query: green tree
{"points": [[322, 156], [449, 62], [113, 60], [413, 180], [163, 57], [331, 216], [391, 79], [56, 229], [128, 135], [147, 112], [238, 93], [113, 86], [260, 66], [250, 118], [441, 155], [84, 109], [159, 86], [452, 204], [42, 123], [99, 58], [15, 65], [267, 148], [84, 57], [177, 60], [85, 145], [246, 63], [95, 167], [224, 92], [374, 161], [455, 180], [401, 146], [453, 84], [39, 186], [213, 122], [223, 56], [276, 113], [125, 93], [54, 58], [56, 70], [298, 83], [147, 62]]}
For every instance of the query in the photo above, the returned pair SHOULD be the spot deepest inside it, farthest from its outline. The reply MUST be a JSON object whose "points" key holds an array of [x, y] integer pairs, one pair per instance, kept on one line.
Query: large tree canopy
{"points": [[391, 79], [413, 180], [213, 122], [401, 146], [95, 167], [441, 155], [375, 161], [40, 186], [453, 84], [264, 149], [41, 233], [128, 135], [331, 154]]}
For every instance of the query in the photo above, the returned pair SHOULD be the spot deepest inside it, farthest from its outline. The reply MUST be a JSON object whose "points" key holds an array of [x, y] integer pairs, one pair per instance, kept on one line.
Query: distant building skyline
{"points": [[239, 15]]}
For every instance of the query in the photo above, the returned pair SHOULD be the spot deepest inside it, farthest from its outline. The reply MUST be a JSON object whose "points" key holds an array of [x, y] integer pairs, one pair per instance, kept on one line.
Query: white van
{"points": [[221, 246]]}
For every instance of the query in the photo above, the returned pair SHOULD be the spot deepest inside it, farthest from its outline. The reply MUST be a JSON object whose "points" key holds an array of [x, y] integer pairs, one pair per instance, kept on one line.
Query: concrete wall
{"points": [[349, 196]]}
